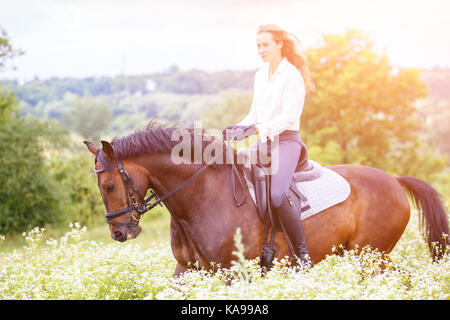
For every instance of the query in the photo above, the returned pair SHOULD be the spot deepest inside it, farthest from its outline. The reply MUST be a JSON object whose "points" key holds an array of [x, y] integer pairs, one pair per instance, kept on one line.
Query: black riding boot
{"points": [[292, 223]]}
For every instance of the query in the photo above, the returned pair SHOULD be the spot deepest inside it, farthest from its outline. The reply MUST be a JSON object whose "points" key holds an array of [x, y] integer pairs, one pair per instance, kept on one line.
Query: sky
{"points": [[86, 38]]}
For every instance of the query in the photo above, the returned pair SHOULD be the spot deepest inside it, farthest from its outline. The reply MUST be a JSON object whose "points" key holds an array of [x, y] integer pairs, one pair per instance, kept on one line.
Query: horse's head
{"points": [[121, 186]]}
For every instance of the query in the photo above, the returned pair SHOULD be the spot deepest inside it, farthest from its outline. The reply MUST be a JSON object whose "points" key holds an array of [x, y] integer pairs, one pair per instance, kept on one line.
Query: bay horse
{"points": [[204, 217]]}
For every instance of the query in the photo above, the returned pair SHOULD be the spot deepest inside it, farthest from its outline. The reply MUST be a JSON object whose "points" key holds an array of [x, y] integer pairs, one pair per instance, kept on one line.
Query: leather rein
{"points": [[134, 207]]}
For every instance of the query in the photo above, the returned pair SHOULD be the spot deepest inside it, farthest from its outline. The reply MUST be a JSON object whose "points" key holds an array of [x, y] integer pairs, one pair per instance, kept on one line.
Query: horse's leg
{"points": [[179, 269]]}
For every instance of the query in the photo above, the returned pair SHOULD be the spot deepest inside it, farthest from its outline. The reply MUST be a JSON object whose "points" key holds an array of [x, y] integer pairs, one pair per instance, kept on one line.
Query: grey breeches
{"points": [[285, 154]]}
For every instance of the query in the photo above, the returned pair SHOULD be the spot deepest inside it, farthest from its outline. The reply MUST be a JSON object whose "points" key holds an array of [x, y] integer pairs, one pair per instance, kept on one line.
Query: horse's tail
{"points": [[434, 221]]}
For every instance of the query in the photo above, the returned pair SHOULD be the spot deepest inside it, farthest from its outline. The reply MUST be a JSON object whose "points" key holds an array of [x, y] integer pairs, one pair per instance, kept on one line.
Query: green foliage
{"points": [[233, 109], [79, 197], [7, 52], [8, 105], [89, 117], [414, 158], [183, 107], [40, 183], [362, 105], [436, 127], [201, 82], [27, 193], [34, 192], [48, 90], [172, 81]]}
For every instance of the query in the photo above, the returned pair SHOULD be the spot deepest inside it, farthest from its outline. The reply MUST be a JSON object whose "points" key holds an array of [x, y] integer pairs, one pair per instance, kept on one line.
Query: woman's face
{"points": [[268, 49]]}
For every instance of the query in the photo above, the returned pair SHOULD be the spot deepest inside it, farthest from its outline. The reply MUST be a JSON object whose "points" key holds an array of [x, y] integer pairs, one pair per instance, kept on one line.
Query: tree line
{"points": [[172, 80]]}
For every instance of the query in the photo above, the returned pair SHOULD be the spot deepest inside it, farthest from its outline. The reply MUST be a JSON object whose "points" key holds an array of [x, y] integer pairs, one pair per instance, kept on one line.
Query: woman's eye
{"points": [[109, 188]]}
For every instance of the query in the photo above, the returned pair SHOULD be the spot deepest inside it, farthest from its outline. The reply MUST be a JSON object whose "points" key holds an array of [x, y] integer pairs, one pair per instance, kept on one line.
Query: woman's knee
{"points": [[276, 198]]}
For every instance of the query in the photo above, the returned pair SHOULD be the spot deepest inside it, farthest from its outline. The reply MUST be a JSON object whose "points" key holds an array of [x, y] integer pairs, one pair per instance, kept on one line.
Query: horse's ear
{"points": [[108, 150], [93, 149]]}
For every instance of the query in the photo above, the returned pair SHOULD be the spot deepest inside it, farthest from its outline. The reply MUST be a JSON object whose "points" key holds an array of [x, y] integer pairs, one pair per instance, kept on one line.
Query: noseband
{"points": [[134, 207]]}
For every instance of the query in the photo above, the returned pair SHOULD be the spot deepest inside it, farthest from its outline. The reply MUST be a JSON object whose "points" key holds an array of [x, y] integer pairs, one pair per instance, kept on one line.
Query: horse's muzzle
{"points": [[119, 236], [124, 234]]}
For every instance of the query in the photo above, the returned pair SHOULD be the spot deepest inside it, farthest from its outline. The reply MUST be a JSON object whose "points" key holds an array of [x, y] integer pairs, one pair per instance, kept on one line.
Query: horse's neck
{"points": [[204, 214], [165, 176], [204, 217]]}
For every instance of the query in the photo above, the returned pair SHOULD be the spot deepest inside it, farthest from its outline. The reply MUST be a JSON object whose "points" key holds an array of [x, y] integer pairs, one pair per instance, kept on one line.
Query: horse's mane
{"points": [[156, 137]]}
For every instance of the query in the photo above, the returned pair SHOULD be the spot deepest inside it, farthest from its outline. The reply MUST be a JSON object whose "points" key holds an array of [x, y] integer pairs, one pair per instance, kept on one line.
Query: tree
{"points": [[88, 116], [28, 195], [361, 103], [8, 105], [435, 125], [7, 52], [77, 187]]}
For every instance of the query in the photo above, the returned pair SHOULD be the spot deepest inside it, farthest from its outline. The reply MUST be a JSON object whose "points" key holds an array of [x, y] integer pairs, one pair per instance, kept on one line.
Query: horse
{"points": [[204, 217]]}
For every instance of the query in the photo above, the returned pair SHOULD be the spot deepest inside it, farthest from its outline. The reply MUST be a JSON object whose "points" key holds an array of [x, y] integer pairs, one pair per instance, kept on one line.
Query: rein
{"points": [[138, 210], [147, 206]]}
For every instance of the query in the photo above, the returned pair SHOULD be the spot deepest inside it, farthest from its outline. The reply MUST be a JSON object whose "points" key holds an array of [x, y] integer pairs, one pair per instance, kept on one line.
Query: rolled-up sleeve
{"points": [[293, 97]]}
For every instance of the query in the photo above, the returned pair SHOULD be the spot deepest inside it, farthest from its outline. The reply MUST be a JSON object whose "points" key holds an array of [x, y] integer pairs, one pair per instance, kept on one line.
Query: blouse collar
{"points": [[281, 67]]}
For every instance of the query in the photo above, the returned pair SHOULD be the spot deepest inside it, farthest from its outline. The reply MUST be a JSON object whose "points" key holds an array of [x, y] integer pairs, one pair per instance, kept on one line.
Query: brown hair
{"points": [[290, 51]]}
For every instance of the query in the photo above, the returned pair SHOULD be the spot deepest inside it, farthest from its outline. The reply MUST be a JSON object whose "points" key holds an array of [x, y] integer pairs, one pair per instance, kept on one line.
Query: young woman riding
{"points": [[280, 86]]}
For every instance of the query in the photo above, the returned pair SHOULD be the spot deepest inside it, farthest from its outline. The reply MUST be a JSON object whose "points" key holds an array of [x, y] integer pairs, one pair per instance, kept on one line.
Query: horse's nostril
{"points": [[117, 235]]}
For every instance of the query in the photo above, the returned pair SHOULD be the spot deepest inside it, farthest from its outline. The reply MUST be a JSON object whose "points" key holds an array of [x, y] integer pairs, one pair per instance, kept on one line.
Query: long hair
{"points": [[290, 50]]}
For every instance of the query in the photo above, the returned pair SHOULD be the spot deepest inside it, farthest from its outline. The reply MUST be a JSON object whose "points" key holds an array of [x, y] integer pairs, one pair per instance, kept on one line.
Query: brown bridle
{"points": [[131, 190]]}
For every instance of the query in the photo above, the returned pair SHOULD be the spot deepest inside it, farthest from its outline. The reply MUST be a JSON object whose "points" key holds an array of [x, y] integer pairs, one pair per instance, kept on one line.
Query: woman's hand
{"points": [[238, 132]]}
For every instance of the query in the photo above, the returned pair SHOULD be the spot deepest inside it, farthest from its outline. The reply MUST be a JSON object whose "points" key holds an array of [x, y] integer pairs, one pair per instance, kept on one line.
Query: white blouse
{"points": [[277, 104]]}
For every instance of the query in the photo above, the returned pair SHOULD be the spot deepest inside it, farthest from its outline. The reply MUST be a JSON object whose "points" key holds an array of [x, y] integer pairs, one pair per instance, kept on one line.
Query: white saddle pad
{"points": [[325, 191]]}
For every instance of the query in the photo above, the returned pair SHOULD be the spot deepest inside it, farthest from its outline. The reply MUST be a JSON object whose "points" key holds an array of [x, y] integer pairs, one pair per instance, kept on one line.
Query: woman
{"points": [[279, 93]]}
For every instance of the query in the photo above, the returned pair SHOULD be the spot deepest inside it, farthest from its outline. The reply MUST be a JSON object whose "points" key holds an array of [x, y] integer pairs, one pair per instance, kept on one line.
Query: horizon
{"points": [[22, 81], [82, 39]]}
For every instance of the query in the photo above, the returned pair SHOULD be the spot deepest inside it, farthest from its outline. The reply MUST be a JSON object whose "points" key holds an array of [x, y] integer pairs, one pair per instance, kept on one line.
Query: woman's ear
{"points": [[108, 150], [279, 44]]}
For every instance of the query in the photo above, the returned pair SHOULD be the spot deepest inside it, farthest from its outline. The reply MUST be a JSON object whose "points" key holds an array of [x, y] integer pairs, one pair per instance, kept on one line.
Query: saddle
{"points": [[261, 182]]}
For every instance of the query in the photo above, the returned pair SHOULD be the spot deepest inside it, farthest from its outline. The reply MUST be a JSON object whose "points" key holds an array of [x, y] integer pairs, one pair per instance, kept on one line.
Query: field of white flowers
{"points": [[72, 267]]}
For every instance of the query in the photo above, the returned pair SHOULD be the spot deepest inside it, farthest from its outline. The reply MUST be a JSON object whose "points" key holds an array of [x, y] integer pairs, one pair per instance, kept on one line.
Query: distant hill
{"points": [[173, 81]]}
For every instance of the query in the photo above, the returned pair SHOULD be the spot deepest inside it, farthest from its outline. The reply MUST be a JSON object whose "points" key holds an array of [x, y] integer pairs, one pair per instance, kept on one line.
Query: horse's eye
{"points": [[109, 188]]}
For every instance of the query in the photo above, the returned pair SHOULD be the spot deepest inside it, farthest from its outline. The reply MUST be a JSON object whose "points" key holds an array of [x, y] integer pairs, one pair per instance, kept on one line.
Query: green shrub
{"points": [[78, 195], [28, 195]]}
